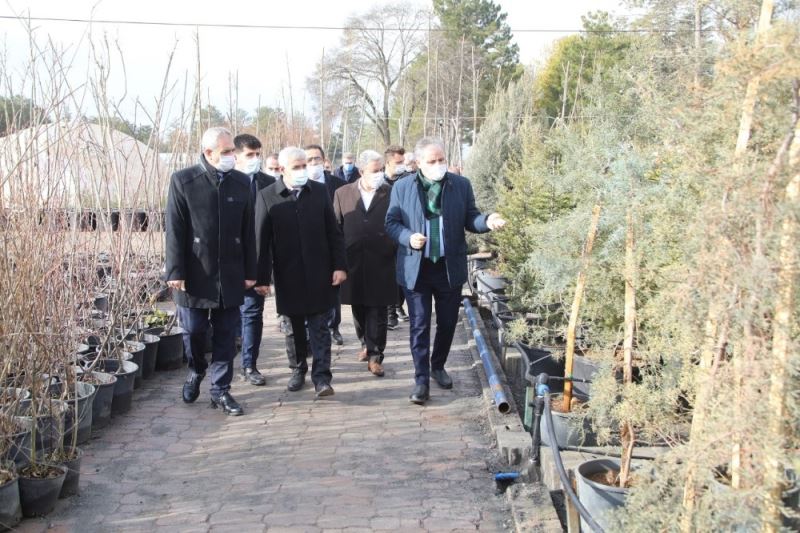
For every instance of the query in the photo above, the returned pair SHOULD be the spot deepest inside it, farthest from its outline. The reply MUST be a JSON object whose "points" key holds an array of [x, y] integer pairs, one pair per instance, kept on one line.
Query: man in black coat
{"points": [[371, 287], [210, 261], [395, 170], [301, 250], [348, 171], [315, 158], [248, 161]]}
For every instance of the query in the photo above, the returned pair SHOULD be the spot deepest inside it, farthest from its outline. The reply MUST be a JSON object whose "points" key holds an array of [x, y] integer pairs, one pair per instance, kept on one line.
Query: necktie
{"points": [[253, 189]]}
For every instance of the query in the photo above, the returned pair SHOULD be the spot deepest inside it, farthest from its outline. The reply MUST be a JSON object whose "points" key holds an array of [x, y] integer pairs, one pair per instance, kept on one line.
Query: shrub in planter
{"points": [[136, 349], [104, 395], [79, 401], [170, 347], [598, 491], [125, 372], [39, 487], [10, 506], [150, 354], [69, 458]]}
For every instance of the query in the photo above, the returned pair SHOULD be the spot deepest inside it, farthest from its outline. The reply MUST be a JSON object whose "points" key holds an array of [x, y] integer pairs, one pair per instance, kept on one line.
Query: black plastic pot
{"points": [[49, 426], [538, 359], [170, 348], [583, 368], [103, 397], [10, 506], [487, 284], [79, 408], [72, 480], [571, 429], [136, 349], [599, 499], [151, 343], [101, 302], [19, 443], [125, 371], [39, 496]]}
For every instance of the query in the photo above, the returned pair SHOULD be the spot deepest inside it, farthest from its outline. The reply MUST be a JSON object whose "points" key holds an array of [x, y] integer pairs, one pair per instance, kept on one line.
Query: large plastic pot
{"points": [[104, 396], [151, 343], [571, 429], [10, 506], [170, 348], [39, 495], [73, 478], [125, 372], [79, 408], [599, 499], [136, 349]]}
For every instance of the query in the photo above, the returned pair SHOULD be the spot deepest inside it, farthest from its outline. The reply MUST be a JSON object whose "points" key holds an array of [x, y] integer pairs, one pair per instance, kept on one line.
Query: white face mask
{"points": [[400, 169], [226, 163], [251, 166], [375, 180], [299, 177], [315, 172], [434, 172]]}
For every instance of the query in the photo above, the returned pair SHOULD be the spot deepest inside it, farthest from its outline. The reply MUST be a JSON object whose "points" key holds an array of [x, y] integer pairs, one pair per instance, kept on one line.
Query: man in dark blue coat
{"points": [[348, 171], [427, 216], [248, 161], [210, 261]]}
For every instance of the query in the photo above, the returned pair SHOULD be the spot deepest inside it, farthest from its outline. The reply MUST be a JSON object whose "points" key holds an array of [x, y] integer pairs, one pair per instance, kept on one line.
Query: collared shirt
{"points": [[366, 196]]}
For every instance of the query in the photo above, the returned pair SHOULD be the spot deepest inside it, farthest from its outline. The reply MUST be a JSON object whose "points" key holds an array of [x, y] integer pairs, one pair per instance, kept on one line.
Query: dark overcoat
{"points": [[332, 184], [210, 236], [370, 251], [406, 216], [299, 247]]}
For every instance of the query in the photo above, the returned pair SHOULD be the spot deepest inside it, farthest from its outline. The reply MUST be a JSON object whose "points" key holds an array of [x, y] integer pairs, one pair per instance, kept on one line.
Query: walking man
{"points": [[360, 209], [427, 216], [300, 247], [315, 156], [248, 161], [347, 171], [395, 170], [210, 261]]}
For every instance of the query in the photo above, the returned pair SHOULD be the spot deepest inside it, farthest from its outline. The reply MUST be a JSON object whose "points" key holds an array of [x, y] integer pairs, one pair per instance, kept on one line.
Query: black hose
{"points": [[562, 473]]}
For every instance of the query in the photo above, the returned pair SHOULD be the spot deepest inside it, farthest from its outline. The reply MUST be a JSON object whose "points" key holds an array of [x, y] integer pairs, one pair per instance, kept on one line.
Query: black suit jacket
{"points": [[210, 236], [370, 251], [299, 246], [353, 177], [332, 183]]}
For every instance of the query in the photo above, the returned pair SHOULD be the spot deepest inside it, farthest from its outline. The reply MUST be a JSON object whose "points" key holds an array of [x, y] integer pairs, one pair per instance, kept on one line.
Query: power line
{"points": [[329, 28]]}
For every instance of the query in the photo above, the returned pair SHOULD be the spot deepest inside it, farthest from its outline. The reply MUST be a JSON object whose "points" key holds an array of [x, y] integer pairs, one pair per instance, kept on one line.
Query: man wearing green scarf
{"points": [[427, 216]]}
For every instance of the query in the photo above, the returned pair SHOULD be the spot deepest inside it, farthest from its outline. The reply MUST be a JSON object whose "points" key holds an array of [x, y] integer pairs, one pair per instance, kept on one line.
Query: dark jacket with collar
{"points": [[210, 236], [332, 184], [262, 181], [352, 178], [299, 246], [406, 216], [370, 251]]}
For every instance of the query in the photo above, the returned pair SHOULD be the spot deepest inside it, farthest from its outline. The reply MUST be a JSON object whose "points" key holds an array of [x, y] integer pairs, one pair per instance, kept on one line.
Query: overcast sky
{"points": [[258, 55]]}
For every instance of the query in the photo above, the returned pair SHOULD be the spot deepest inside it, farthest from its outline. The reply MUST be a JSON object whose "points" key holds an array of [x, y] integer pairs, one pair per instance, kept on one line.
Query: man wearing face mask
{"points": [[427, 217], [360, 209], [301, 248], [395, 170], [248, 161], [210, 261], [271, 167], [315, 158], [347, 171], [410, 160]]}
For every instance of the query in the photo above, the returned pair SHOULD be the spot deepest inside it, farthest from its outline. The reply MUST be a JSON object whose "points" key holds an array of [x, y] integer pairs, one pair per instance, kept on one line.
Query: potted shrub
{"points": [[170, 347], [10, 506]]}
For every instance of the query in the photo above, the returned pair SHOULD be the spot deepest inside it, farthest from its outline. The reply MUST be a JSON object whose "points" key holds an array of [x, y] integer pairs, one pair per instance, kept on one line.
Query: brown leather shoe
{"points": [[376, 368], [362, 355]]}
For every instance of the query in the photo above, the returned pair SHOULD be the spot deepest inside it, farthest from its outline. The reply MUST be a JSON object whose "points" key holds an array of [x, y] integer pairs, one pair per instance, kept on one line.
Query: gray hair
{"points": [[409, 156], [290, 153], [211, 136], [348, 155], [368, 156], [423, 143]]}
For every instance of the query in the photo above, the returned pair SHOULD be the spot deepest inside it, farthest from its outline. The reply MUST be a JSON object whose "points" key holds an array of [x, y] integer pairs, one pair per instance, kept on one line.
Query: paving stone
{"points": [[364, 460]]}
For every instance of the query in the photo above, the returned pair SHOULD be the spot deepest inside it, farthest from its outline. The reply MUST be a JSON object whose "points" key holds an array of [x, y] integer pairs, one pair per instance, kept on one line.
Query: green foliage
{"points": [[17, 113]]}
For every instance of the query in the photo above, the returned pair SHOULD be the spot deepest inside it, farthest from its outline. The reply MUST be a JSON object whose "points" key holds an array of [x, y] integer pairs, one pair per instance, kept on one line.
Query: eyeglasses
{"points": [[315, 159]]}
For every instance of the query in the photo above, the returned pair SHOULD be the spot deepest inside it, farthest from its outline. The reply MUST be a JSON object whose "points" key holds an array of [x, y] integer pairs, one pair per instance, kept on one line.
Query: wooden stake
{"points": [[628, 435], [576, 306]]}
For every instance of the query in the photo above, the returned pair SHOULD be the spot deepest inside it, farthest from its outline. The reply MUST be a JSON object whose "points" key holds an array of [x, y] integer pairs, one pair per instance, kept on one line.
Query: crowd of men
{"points": [[380, 231]]}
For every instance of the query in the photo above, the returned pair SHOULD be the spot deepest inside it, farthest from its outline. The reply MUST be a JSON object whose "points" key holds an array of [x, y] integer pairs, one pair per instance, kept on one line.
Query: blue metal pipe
{"points": [[500, 399], [506, 476]]}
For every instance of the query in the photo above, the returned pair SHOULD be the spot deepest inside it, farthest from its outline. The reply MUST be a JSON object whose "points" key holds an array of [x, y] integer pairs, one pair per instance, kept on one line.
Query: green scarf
{"points": [[432, 201]]}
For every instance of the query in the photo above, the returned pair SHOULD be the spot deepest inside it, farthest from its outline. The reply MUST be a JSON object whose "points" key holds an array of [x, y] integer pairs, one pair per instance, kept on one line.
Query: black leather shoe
{"points": [[337, 337], [442, 378], [392, 323], [324, 389], [420, 394], [191, 388], [228, 404], [297, 380], [253, 376]]}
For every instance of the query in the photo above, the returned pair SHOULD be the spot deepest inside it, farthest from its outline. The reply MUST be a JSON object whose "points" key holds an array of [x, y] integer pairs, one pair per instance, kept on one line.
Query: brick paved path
{"points": [[364, 460]]}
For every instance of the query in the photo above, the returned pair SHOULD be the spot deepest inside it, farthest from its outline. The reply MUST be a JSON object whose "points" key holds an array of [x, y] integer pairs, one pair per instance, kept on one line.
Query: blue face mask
{"points": [[348, 167]]}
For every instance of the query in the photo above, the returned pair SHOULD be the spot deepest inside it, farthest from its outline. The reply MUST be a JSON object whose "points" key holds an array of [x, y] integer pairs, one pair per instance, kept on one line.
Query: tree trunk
{"points": [[576, 306]]}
